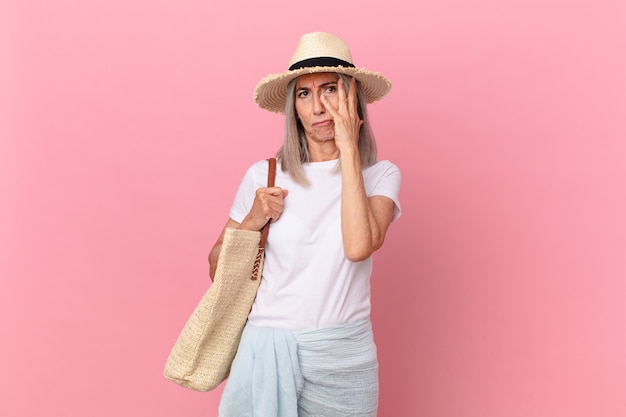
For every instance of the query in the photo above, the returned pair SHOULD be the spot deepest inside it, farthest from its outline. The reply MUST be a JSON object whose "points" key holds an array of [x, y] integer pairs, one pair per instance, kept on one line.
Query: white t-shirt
{"points": [[307, 281]]}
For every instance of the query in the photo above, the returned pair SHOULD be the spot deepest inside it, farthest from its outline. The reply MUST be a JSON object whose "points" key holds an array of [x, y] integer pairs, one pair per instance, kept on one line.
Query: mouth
{"points": [[323, 123]]}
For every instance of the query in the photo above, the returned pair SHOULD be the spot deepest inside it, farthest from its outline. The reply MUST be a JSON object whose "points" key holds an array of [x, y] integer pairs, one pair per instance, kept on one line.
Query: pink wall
{"points": [[126, 125]]}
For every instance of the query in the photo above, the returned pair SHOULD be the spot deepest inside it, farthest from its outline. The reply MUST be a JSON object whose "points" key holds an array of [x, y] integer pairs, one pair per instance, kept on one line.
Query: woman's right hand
{"points": [[267, 207]]}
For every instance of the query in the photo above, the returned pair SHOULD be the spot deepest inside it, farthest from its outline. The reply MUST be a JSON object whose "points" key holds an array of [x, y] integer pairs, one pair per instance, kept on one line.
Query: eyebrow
{"points": [[323, 85]]}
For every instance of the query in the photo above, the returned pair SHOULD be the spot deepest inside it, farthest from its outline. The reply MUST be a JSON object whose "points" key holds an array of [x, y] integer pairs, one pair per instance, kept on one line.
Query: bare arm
{"points": [[364, 221], [217, 247]]}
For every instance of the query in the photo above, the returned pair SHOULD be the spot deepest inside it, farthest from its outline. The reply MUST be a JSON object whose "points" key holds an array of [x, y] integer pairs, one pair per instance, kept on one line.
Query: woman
{"points": [[308, 348]]}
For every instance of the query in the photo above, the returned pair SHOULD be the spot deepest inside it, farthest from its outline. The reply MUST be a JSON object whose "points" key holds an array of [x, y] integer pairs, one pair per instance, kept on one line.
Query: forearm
{"points": [[214, 254], [213, 257], [360, 231]]}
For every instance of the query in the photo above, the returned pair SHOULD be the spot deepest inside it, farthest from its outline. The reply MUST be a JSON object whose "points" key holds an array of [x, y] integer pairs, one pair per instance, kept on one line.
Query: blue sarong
{"points": [[327, 372]]}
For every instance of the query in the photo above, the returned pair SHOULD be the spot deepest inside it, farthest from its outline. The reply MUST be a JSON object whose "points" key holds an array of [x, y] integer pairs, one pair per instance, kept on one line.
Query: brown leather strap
{"points": [[271, 178]]}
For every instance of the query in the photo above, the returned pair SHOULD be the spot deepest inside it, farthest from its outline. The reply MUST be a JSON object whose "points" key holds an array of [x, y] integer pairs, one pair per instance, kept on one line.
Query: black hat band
{"points": [[324, 61]]}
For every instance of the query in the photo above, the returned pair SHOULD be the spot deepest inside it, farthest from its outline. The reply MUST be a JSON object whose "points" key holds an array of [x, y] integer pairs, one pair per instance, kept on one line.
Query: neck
{"points": [[323, 151]]}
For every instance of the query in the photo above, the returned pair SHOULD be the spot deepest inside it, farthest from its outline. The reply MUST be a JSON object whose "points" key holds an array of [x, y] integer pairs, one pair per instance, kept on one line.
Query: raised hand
{"points": [[345, 116]]}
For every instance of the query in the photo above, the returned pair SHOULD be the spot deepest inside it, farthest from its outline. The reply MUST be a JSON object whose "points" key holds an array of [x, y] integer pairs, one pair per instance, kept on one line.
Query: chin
{"points": [[326, 139], [328, 136]]}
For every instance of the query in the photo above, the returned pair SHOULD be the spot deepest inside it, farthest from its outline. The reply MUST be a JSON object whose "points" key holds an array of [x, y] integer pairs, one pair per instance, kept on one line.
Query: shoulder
{"points": [[382, 168], [383, 178], [258, 171], [260, 164], [384, 165]]}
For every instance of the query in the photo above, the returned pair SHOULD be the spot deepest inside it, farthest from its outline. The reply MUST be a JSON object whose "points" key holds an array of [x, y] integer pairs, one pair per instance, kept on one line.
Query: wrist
{"points": [[350, 156], [348, 150], [247, 224]]}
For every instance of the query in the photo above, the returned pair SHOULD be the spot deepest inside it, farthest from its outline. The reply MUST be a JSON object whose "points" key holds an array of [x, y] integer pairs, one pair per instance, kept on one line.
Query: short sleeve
{"points": [[384, 178], [244, 198]]}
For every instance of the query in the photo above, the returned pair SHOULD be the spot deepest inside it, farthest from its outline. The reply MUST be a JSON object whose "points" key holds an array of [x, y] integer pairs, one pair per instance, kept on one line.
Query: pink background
{"points": [[127, 124]]}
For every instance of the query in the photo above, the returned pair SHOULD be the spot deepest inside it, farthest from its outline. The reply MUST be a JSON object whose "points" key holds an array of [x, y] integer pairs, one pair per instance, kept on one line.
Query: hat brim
{"points": [[271, 92]]}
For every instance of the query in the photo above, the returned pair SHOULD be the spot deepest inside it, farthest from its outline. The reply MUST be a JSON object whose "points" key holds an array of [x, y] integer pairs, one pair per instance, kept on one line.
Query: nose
{"points": [[318, 106]]}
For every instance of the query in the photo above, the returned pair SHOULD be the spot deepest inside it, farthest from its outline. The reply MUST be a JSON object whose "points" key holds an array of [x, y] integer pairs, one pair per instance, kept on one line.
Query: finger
{"points": [[274, 190], [346, 98], [341, 91], [275, 204], [275, 212], [277, 201], [280, 194], [352, 99], [333, 111]]}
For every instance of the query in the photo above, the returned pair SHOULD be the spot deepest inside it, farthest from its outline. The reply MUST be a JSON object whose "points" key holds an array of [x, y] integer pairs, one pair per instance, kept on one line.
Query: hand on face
{"points": [[345, 116]]}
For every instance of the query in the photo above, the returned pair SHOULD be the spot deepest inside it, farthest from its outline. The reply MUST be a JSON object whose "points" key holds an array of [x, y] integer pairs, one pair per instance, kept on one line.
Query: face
{"points": [[317, 122]]}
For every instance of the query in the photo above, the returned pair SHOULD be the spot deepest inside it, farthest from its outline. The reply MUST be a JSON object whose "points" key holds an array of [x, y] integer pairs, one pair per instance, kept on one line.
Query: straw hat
{"points": [[318, 52]]}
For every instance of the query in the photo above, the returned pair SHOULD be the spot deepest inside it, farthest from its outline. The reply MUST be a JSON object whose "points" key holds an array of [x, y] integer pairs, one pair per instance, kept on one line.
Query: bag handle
{"points": [[271, 177]]}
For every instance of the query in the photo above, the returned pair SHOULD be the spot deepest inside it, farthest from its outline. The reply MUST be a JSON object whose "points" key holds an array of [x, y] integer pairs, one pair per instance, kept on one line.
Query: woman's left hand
{"points": [[345, 116]]}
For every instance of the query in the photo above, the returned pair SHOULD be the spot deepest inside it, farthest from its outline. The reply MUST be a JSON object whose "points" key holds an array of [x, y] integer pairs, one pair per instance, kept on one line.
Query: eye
{"points": [[302, 93], [330, 89]]}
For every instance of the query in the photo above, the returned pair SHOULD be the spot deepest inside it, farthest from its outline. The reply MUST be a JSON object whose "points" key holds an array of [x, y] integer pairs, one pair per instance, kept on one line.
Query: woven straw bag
{"points": [[201, 357]]}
